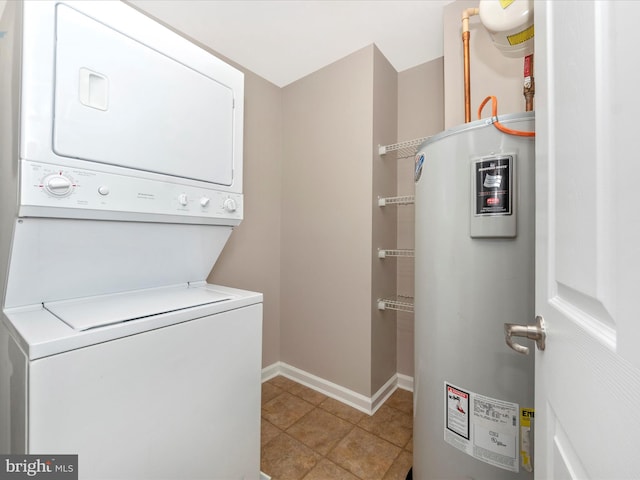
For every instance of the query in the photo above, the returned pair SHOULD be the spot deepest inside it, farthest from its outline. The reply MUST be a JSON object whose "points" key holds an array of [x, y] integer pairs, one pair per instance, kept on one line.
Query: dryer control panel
{"points": [[48, 190]]}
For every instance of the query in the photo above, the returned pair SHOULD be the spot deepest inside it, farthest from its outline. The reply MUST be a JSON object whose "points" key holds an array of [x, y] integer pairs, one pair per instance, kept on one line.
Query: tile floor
{"points": [[309, 436]]}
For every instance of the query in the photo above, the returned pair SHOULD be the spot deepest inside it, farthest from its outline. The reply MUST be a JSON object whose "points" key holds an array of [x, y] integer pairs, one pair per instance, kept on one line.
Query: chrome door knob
{"points": [[533, 332]]}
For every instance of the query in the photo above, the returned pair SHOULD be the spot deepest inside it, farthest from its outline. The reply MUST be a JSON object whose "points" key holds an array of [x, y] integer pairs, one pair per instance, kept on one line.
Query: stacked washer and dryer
{"points": [[121, 171]]}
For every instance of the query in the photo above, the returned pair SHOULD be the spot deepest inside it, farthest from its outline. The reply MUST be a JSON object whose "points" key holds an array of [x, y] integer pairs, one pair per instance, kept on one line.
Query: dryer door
{"points": [[120, 102]]}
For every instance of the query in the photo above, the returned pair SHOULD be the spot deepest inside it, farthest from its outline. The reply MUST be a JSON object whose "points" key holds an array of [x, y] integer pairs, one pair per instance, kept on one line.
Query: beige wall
{"points": [[420, 114], [312, 174], [326, 222], [333, 121], [384, 228], [491, 72], [305, 151]]}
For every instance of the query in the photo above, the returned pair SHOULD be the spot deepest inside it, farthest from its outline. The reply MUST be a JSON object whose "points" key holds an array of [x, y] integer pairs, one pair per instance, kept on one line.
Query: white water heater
{"points": [[474, 257]]}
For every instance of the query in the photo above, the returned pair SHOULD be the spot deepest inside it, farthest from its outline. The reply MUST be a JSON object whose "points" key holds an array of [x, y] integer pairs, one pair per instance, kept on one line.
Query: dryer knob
{"points": [[182, 199], [58, 185], [204, 201], [230, 205]]}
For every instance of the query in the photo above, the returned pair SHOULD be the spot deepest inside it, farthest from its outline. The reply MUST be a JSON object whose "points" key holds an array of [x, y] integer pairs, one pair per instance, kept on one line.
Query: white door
{"points": [[588, 240]]}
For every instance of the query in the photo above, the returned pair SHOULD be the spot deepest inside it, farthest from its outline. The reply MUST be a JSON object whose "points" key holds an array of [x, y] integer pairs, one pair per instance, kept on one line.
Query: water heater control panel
{"points": [[48, 190], [493, 196]]}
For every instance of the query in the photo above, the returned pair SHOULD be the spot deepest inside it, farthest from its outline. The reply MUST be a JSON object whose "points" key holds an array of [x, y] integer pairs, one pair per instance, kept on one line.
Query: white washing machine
{"points": [[121, 181], [172, 394]]}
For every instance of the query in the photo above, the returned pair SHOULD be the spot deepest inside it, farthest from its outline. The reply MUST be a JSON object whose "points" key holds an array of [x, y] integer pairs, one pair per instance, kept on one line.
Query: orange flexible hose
{"points": [[498, 125]]}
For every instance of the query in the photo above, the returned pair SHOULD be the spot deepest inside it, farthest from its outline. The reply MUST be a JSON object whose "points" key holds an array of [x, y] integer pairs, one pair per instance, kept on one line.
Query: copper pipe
{"points": [[467, 77], [467, 70], [529, 85], [529, 93]]}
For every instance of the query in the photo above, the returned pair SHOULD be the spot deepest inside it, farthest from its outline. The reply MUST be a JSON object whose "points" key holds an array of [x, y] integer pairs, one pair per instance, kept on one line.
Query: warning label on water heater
{"points": [[493, 186], [458, 411], [483, 427]]}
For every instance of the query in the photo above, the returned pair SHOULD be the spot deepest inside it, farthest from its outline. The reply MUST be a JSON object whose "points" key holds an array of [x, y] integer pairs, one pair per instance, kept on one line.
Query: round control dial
{"points": [[230, 205], [58, 185], [183, 199]]}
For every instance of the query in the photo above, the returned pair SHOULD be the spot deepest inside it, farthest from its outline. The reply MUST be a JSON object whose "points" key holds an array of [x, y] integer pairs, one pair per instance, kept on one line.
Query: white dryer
{"points": [[121, 171]]}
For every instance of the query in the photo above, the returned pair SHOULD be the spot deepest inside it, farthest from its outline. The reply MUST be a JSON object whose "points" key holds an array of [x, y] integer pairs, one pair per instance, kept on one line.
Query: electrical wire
{"points": [[496, 123]]}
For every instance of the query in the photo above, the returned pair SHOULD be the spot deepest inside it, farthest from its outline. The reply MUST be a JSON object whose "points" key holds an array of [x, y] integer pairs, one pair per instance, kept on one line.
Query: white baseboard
{"points": [[383, 393], [368, 405], [405, 382], [271, 371]]}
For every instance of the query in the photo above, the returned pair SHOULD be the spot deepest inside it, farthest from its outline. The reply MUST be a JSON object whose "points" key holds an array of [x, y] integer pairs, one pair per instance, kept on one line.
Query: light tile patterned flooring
{"points": [[309, 436]]}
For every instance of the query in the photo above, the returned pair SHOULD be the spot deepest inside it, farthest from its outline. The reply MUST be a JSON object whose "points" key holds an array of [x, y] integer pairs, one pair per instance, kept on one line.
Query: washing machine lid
{"points": [[94, 312]]}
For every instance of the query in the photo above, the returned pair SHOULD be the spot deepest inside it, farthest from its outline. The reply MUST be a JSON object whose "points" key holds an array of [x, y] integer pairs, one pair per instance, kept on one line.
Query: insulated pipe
{"points": [[469, 12]]}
